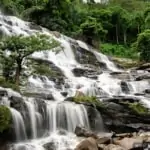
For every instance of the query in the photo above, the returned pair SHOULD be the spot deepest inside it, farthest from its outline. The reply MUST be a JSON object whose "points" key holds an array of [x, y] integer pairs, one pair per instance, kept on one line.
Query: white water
{"points": [[48, 117], [19, 125]]}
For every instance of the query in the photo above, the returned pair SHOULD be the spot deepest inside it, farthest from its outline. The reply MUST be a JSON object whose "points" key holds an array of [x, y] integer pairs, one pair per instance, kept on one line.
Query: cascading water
{"points": [[19, 125], [52, 119]]}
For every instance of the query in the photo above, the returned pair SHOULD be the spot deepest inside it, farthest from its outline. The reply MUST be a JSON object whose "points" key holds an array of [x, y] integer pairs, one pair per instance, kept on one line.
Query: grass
{"points": [[88, 99], [118, 51], [138, 108]]}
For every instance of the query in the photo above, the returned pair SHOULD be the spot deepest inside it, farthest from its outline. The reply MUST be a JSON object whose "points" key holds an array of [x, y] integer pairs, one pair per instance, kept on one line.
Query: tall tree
{"points": [[16, 48]]}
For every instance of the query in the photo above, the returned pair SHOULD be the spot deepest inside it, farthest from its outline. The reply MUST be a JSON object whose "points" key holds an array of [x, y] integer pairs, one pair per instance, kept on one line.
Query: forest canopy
{"points": [[115, 22]]}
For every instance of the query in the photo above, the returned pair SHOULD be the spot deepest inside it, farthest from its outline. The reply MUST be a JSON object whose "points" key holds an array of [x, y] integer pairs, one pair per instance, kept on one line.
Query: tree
{"points": [[92, 29], [16, 48], [143, 45]]}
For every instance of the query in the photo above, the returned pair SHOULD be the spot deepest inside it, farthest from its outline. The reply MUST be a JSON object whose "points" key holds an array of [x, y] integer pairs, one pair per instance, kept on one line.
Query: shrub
{"points": [[118, 50], [142, 45], [87, 99], [5, 118]]}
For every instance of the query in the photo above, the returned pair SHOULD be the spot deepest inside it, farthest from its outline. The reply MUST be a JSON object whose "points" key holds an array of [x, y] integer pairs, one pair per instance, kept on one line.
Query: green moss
{"points": [[126, 63], [138, 108], [42, 67], [43, 70], [8, 84], [88, 99], [5, 118]]}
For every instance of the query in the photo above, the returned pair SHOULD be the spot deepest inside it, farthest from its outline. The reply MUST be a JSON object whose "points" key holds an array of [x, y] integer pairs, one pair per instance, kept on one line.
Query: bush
{"points": [[5, 118], [142, 45], [8, 84], [87, 99], [118, 50]]}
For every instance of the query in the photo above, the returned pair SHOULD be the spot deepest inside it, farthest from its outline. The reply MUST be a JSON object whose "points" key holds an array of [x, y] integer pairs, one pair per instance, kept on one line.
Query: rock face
{"points": [[87, 144], [123, 115], [87, 72]]}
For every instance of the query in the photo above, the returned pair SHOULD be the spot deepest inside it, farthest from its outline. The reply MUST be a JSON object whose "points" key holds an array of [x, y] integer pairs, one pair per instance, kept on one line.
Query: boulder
{"points": [[147, 91], [124, 87], [49, 146], [64, 93], [87, 144], [16, 102], [104, 140], [129, 143], [83, 132], [3, 93]]}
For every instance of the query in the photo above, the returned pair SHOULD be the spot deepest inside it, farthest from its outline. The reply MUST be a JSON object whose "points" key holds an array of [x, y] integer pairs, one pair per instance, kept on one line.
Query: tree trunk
{"points": [[117, 38], [18, 71], [125, 37]]}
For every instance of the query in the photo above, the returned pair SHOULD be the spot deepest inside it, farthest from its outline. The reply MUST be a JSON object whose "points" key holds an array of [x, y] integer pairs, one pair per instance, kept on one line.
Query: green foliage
{"points": [[143, 45], [44, 70], [9, 84], [19, 47], [118, 50], [87, 99], [5, 118], [138, 108], [118, 21]]}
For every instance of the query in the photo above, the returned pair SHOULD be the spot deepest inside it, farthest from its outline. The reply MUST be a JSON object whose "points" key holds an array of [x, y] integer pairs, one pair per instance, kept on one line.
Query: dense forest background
{"points": [[114, 27]]}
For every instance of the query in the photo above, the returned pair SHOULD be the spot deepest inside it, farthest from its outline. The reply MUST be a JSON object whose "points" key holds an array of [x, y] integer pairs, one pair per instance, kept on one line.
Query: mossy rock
{"points": [[138, 108], [5, 118], [126, 62], [92, 100], [42, 68]]}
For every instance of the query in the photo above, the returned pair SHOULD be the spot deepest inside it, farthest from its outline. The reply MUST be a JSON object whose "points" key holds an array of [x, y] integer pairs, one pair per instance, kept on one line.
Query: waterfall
{"points": [[32, 114], [19, 125], [51, 118]]}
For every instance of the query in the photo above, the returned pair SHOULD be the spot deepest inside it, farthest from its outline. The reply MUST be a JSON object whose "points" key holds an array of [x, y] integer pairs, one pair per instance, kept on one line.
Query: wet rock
{"points": [[87, 144], [104, 140], [46, 96], [143, 77], [16, 102], [147, 91], [64, 93], [144, 66], [3, 93], [118, 116], [34, 26], [83, 132], [120, 99], [124, 87], [113, 147], [49, 146], [121, 75], [87, 72], [70, 99], [129, 143]]}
